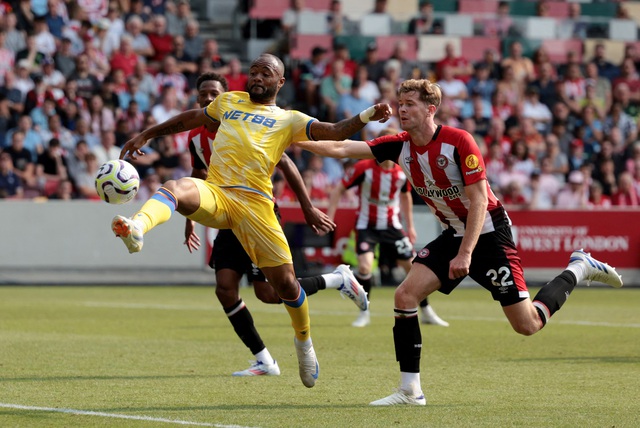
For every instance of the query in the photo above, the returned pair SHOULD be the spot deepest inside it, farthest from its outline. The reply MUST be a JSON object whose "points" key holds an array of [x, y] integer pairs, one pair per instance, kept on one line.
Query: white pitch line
{"points": [[275, 308], [116, 416]]}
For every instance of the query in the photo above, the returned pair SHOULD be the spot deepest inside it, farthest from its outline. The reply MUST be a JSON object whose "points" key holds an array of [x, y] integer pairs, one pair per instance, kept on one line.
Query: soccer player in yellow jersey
{"points": [[253, 134]]}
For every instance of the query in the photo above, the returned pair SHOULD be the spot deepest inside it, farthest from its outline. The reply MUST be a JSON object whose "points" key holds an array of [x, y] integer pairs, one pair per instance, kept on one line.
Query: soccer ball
{"points": [[117, 182]]}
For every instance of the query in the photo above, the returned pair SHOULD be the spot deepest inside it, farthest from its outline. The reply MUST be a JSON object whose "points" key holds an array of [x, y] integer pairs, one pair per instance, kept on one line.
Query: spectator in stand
{"points": [[546, 85], [137, 8], [559, 161], [51, 168], [146, 82], [133, 116], [626, 194], [423, 23], [236, 78], [63, 191], [574, 195], [479, 110], [10, 183], [375, 66], [149, 185], [57, 132], [622, 95], [627, 126], [83, 133], [13, 94], [490, 59], [572, 89], [160, 40], [185, 63], [168, 106], [168, 158], [116, 23], [510, 87], [70, 114], [461, 69], [500, 24], [607, 154], [597, 199], [45, 42], [352, 103], [134, 94], [211, 53], [513, 196], [141, 43], [23, 161], [15, 40], [30, 138], [40, 115], [184, 167], [521, 66], [523, 154], [107, 149], [311, 72], [64, 60], [337, 23], [100, 118], [332, 87], [105, 40], [98, 62], [31, 55], [368, 88], [633, 158], [576, 155], [7, 57], [629, 76], [341, 52], [177, 17], [193, 41], [169, 75], [400, 54], [124, 58], [25, 16], [494, 162], [87, 82], [109, 96], [545, 185], [606, 68], [481, 83], [36, 96], [602, 86], [7, 119], [53, 78], [573, 27], [85, 179], [536, 111]]}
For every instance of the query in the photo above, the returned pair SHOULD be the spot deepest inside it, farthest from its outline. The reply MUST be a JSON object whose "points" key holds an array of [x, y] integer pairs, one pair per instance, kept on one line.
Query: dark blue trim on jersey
{"points": [[250, 189], [206, 114], [308, 130]]}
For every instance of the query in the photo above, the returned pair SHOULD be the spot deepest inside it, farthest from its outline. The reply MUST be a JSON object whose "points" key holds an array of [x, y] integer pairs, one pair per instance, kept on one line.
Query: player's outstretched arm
{"points": [[316, 219], [338, 149], [185, 121], [347, 127]]}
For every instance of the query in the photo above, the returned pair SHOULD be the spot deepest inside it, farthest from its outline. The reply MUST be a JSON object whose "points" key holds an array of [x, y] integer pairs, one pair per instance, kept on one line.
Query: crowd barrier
{"points": [[75, 236]]}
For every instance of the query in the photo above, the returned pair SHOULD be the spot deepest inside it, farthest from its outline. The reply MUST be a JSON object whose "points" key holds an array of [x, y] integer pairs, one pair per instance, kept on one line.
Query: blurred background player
{"points": [[383, 194], [231, 261]]}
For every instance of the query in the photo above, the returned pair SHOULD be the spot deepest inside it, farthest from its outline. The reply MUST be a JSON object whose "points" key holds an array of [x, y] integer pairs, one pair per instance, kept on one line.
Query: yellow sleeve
{"points": [[212, 109], [301, 126]]}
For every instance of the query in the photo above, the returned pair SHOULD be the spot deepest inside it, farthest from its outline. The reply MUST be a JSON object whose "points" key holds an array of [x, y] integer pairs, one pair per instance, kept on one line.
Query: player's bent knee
{"points": [[526, 329]]}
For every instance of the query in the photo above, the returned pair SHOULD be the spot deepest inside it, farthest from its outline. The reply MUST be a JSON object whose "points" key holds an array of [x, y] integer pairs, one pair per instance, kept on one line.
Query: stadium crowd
{"points": [[80, 77]]}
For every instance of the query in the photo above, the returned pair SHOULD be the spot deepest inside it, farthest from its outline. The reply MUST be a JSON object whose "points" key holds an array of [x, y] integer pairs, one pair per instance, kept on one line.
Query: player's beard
{"points": [[268, 94]]}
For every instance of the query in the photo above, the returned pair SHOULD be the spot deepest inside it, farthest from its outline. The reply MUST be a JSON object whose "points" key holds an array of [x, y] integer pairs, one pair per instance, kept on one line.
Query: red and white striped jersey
{"points": [[439, 172], [379, 192], [200, 144]]}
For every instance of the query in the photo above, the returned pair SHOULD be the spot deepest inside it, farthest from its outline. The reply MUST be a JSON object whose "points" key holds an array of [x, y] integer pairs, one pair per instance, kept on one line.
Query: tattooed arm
{"points": [[185, 121]]}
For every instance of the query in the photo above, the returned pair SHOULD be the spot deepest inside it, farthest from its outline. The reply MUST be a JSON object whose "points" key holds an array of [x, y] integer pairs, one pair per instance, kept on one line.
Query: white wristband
{"points": [[365, 115]]}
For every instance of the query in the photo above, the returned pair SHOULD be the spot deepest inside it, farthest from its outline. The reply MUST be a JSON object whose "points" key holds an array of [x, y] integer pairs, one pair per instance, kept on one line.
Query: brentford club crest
{"points": [[442, 162], [423, 253]]}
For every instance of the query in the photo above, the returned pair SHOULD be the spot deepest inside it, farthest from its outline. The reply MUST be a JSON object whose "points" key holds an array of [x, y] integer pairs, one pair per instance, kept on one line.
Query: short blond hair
{"points": [[428, 92]]}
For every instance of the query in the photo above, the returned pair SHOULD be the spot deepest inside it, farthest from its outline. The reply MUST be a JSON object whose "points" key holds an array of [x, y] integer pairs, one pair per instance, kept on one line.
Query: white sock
{"points": [[332, 280], [265, 357], [410, 382], [579, 270]]}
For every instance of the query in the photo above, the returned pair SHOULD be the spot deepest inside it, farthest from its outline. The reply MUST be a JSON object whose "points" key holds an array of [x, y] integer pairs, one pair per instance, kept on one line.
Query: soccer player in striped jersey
{"points": [[445, 167], [237, 193], [231, 261], [383, 195]]}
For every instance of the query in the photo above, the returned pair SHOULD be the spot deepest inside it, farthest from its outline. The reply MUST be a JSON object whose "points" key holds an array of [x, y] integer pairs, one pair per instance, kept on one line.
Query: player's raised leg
{"points": [[181, 195]]}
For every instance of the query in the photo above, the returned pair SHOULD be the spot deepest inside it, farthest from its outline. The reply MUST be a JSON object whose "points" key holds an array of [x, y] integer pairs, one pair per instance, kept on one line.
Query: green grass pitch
{"points": [[162, 356]]}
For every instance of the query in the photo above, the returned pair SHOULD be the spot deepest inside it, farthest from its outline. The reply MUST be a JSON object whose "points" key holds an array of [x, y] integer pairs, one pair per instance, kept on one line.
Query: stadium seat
{"points": [[375, 24], [268, 9], [386, 44], [357, 45], [445, 6], [528, 45], [633, 8], [432, 48], [473, 47], [474, 7], [558, 9], [623, 29], [312, 22], [355, 10], [614, 49], [402, 10], [534, 27], [523, 8], [302, 44], [557, 49], [458, 25], [599, 10]]}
